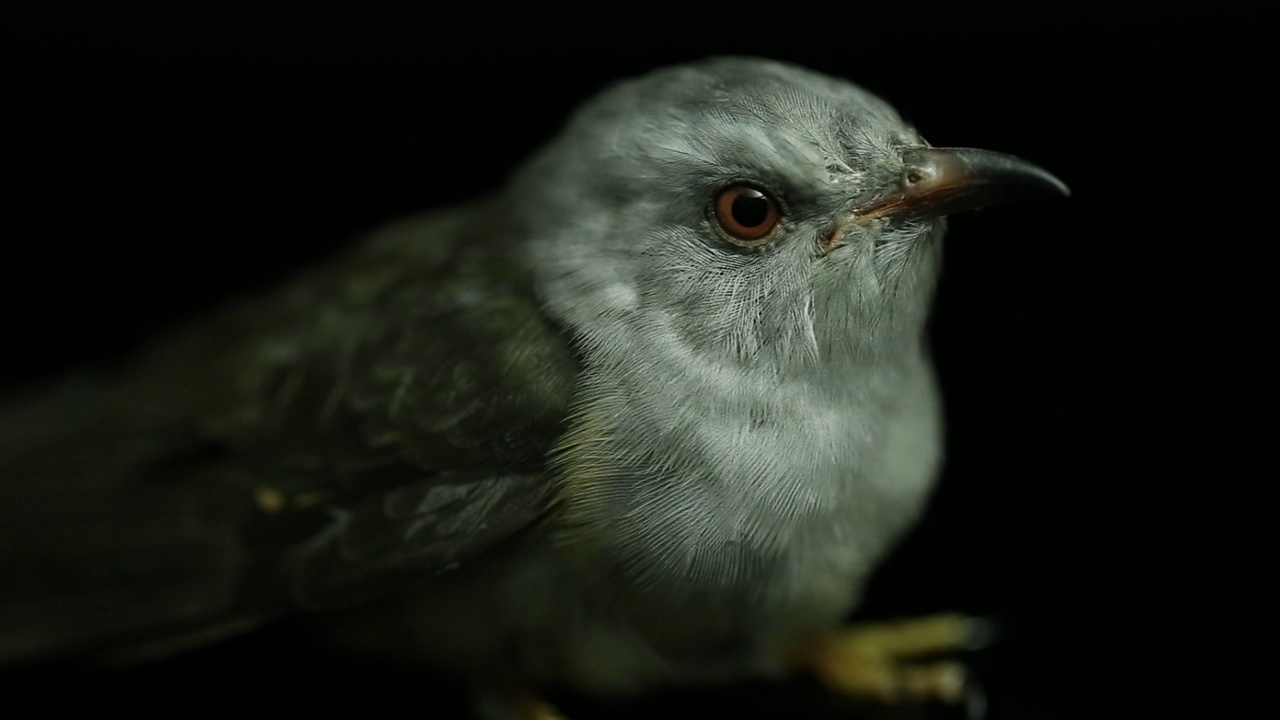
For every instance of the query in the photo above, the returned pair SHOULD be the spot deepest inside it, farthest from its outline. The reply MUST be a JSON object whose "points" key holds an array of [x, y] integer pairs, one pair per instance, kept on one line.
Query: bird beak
{"points": [[942, 181]]}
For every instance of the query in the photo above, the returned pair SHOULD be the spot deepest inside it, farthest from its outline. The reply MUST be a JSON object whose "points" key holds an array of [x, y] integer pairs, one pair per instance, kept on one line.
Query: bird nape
{"points": [[648, 417]]}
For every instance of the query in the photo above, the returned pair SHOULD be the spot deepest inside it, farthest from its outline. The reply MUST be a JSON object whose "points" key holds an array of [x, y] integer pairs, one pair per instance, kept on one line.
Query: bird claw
{"points": [[880, 662], [515, 705], [537, 709]]}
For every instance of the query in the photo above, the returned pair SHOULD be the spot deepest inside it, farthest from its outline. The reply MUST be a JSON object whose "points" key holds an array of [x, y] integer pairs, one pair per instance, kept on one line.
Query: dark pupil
{"points": [[750, 208]]}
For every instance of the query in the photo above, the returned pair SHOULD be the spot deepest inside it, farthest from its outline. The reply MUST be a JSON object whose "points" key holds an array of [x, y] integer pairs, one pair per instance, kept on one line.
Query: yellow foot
{"points": [[874, 662], [526, 706]]}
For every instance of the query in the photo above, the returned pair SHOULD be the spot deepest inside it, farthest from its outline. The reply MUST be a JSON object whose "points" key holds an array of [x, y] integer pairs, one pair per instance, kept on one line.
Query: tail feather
{"points": [[105, 538]]}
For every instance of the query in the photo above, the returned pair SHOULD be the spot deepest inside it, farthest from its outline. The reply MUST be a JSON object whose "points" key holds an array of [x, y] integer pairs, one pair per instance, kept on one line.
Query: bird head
{"points": [[749, 213]]}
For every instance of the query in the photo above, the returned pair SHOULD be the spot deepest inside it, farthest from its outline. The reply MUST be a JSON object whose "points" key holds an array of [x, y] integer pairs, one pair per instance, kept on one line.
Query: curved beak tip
{"points": [[943, 181]]}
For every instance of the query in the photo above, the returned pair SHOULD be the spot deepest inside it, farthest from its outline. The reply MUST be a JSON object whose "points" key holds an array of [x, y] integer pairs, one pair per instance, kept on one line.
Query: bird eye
{"points": [[748, 216]]}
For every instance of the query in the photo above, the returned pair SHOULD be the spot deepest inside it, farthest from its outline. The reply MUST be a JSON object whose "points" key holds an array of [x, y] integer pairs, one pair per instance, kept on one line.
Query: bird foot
{"points": [[880, 661], [519, 705]]}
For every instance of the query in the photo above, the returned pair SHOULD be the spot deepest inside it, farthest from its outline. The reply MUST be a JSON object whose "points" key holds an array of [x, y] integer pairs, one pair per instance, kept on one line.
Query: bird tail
{"points": [[108, 538]]}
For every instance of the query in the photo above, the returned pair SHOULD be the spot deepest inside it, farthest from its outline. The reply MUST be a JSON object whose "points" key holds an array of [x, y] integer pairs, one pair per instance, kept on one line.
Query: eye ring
{"points": [[746, 215]]}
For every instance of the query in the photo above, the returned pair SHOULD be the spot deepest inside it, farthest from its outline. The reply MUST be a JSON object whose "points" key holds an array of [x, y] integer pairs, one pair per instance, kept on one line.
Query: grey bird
{"points": [[649, 416]]}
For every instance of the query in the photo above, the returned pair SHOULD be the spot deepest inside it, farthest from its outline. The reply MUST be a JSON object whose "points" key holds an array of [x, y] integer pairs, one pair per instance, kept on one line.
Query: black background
{"points": [[160, 160]]}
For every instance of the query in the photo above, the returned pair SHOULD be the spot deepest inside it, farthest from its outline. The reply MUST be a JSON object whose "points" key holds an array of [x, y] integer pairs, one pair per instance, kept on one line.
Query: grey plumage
{"points": [[574, 434]]}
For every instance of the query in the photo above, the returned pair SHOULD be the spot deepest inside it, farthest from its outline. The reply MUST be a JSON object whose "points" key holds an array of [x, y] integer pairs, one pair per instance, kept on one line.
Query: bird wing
{"points": [[380, 419]]}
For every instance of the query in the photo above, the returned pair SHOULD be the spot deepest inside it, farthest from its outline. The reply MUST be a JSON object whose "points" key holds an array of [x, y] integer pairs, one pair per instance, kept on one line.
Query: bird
{"points": [[649, 415]]}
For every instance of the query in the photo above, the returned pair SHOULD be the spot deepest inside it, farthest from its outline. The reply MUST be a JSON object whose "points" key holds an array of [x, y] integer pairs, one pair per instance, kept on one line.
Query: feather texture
{"points": [[380, 420]]}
